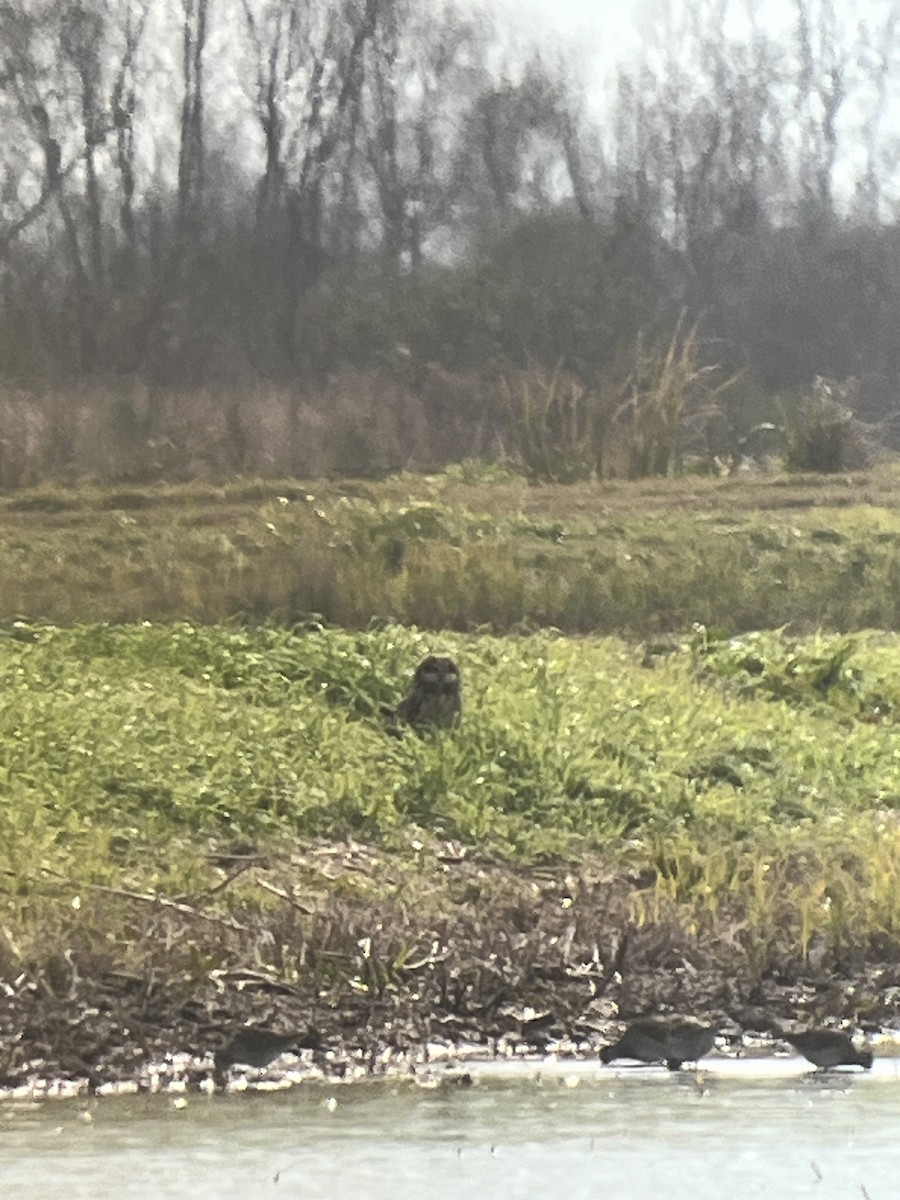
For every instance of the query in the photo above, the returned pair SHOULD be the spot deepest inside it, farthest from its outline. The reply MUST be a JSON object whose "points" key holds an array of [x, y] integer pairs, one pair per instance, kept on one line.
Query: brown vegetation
{"points": [[357, 423], [379, 958]]}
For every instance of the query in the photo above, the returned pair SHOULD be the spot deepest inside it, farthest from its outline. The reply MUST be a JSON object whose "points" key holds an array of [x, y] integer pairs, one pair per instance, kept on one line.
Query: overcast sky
{"points": [[601, 27], [595, 20], [609, 29]]}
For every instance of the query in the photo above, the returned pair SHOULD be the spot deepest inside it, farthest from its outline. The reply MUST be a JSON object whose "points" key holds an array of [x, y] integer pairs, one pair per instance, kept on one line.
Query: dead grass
{"points": [[355, 422]]}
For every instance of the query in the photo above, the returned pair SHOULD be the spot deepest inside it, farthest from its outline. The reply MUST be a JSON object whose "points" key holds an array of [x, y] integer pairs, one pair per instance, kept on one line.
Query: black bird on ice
{"points": [[652, 1040], [254, 1046], [827, 1048]]}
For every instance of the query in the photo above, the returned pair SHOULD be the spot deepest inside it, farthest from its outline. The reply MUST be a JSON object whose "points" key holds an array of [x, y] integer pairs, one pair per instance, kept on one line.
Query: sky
{"points": [[593, 37], [596, 23], [597, 35], [590, 36], [598, 28], [608, 30]]}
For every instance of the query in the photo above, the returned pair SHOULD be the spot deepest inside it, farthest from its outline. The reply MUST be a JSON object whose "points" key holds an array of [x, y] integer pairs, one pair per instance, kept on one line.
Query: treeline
{"points": [[360, 231]]}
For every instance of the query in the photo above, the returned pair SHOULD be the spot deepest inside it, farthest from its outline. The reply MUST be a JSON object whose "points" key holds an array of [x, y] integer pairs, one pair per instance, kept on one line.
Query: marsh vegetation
{"points": [[204, 806], [472, 547]]}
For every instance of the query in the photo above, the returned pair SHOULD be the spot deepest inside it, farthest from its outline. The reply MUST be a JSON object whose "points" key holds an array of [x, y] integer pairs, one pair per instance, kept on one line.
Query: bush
{"points": [[821, 431]]}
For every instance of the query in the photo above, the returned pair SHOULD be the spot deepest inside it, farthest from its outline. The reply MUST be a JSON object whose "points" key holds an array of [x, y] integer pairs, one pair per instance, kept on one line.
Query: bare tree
{"points": [[191, 155], [878, 53], [383, 141], [821, 92], [41, 89], [309, 71], [123, 103], [425, 69], [272, 32]]}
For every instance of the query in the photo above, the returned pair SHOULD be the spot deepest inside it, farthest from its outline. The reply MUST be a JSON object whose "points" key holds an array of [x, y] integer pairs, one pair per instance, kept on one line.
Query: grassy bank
{"points": [[744, 788], [455, 551], [664, 800]]}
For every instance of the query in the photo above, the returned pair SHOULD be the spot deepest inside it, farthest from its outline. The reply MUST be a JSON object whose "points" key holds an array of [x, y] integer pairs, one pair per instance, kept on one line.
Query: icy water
{"points": [[740, 1130]]}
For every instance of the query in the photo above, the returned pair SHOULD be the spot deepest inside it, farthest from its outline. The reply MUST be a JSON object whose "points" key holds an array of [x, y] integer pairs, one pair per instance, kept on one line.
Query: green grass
{"points": [[678, 687], [450, 552], [753, 785]]}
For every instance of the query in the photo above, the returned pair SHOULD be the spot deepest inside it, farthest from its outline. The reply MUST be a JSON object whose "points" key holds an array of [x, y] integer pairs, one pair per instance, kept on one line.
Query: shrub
{"points": [[821, 431]]}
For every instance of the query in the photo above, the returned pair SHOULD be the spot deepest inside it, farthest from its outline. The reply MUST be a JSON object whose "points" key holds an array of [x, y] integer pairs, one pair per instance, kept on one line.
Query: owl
{"points": [[436, 695]]}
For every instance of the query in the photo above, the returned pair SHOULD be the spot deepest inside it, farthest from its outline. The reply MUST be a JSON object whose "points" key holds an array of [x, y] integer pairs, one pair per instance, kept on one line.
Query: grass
{"points": [[464, 550], [752, 784], [680, 700]]}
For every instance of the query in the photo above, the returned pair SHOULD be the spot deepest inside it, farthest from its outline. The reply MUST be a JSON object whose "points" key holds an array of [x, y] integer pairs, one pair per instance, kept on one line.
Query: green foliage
{"points": [[813, 672], [441, 552], [821, 431], [547, 286], [756, 779]]}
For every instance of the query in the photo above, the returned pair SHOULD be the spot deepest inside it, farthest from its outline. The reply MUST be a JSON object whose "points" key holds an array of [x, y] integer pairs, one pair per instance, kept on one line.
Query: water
{"points": [[742, 1130]]}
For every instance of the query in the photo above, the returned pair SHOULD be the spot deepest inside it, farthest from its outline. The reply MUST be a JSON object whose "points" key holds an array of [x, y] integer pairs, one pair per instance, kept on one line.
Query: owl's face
{"points": [[437, 673], [436, 694]]}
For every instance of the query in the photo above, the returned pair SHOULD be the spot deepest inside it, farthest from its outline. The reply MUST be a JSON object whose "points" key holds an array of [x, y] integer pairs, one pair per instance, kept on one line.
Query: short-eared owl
{"points": [[436, 694]]}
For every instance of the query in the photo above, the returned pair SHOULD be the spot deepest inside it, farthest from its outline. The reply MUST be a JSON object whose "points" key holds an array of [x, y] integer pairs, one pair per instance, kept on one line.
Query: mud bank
{"points": [[395, 965]]}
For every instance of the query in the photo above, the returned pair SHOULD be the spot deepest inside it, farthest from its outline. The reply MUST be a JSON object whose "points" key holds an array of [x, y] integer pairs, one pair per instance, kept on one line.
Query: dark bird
{"points": [[647, 1041], [254, 1046], [669, 1042], [436, 694], [827, 1048], [689, 1042]]}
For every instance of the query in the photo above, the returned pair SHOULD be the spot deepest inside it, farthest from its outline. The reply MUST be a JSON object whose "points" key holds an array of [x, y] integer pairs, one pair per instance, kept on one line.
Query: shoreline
{"points": [[482, 962], [459, 1067]]}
